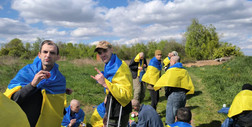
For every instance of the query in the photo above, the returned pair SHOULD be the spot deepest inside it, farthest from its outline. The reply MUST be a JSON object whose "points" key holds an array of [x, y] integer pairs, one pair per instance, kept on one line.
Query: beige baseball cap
{"points": [[103, 45], [158, 52]]}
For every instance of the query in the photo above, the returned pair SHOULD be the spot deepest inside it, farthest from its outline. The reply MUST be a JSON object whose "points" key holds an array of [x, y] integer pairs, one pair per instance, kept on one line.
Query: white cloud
{"points": [[86, 32], [55, 32]]}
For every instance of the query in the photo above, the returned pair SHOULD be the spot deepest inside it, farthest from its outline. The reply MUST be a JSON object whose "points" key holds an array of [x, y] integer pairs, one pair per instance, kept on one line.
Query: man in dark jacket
{"points": [[137, 66], [147, 116]]}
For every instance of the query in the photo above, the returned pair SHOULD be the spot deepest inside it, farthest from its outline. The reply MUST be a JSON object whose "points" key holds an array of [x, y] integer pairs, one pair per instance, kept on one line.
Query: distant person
{"points": [[240, 112], [74, 116], [183, 118], [117, 80], [180, 83], [38, 85], [137, 66], [11, 114], [166, 64], [152, 75], [147, 116]]}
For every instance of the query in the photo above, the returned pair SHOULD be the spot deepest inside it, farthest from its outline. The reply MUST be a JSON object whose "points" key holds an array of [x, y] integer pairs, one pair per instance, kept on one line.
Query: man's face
{"points": [[48, 55], [105, 54], [172, 62], [170, 55], [159, 56], [75, 108]]}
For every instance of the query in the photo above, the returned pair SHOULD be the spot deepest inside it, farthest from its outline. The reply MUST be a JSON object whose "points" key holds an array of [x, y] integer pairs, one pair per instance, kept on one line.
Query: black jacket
{"points": [[134, 67]]}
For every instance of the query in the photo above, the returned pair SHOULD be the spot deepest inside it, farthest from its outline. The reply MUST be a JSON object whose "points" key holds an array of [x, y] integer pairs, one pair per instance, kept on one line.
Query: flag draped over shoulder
{"points": [[166, 61], [138, 60], [52, 89], [56, 84], [176, 76], [119, 80], [153, 71], [96, 119], [11, 114], [79, 116], [242, 102]]}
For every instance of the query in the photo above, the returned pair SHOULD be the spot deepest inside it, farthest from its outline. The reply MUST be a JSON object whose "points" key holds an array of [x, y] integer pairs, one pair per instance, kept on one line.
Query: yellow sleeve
{"points": [[121, 85]]}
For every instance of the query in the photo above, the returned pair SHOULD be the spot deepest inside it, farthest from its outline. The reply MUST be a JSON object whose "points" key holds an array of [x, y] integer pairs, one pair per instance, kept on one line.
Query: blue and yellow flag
{"points": [[153, 71], [166, 61], [52, 89], [140, 61], [96, 119], [119, 80], [79, 116], [242, 102], [11, 114], [176, 76]]}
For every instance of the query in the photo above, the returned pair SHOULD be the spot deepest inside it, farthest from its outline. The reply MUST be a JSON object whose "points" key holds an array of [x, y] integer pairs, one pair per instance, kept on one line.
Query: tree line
{"points": [[200, 42]]}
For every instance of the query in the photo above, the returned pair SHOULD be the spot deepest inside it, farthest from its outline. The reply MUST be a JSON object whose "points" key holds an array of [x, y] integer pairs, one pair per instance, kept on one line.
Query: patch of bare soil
{"points": [[203, 63]]}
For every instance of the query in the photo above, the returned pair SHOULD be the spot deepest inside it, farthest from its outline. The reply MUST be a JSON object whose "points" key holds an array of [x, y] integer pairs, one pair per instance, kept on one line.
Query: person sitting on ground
{"points": [[183, 118], [240, 112], [147, 116], [74, 115]]}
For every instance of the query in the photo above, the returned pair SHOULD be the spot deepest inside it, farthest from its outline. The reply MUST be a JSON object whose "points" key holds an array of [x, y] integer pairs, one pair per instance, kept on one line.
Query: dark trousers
{"points": [[154, 98]]}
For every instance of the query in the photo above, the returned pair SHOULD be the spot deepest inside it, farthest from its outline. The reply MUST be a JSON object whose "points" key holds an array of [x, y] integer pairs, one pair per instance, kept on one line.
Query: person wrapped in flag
{"points": [[152, 75], [96, 119], [117, 80], [39, 88], [137, 67], [74, 116], [166, 65], [178, 79]]}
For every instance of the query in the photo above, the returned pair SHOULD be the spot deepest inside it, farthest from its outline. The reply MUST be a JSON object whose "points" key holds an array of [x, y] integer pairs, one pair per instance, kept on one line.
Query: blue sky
{"points": [[123, 21]]}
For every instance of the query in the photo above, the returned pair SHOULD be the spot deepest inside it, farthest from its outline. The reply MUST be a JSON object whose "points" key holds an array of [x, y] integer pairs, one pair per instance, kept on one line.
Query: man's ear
{"points": [[176, 118]]}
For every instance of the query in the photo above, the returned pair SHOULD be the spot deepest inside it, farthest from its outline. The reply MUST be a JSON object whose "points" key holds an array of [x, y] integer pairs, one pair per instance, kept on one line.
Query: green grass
{"points": [[214, 86]]}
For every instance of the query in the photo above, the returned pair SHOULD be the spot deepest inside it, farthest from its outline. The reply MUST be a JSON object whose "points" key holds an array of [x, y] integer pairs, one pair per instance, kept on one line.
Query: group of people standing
{"points": [[40, 91], [176, 81]]}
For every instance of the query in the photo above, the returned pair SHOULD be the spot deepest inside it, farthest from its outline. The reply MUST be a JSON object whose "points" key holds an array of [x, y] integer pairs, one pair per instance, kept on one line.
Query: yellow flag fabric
{"points": [[121, 85], [151, 75], [8, 93], [51, 110], [166, 62], [96, 120], [176, 77], [242, 102], [11, 114], [137, 59]]}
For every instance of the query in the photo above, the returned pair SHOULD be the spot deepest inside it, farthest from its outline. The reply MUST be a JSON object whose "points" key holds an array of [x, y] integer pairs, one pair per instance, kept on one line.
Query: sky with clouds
{"points": [[123, 21]]}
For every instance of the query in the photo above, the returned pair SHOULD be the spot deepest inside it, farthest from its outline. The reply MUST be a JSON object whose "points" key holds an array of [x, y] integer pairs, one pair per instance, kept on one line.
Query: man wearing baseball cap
{"points": [[152, 75], [117, 81]]}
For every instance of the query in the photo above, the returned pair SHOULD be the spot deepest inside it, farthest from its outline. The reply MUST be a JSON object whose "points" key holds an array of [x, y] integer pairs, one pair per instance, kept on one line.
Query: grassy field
{"points": [[214, 86]]}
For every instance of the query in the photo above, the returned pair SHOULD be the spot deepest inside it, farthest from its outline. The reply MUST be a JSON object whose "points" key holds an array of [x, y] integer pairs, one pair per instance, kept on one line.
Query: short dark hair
{"points": [[184, 115], [49, 42]]}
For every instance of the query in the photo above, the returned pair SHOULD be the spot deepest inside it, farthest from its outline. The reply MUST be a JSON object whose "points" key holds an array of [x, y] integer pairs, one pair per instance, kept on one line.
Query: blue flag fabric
{"points": [[111, 67], [101, 109], [155, 63], [177, 65], [79, 116], [56, 84]]}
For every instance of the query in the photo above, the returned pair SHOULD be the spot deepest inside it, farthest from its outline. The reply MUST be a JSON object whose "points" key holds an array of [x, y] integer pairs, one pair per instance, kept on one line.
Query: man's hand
{"points": [[72, 122], [145, 65], [100, 78], [38, 77], [140, 68]]}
